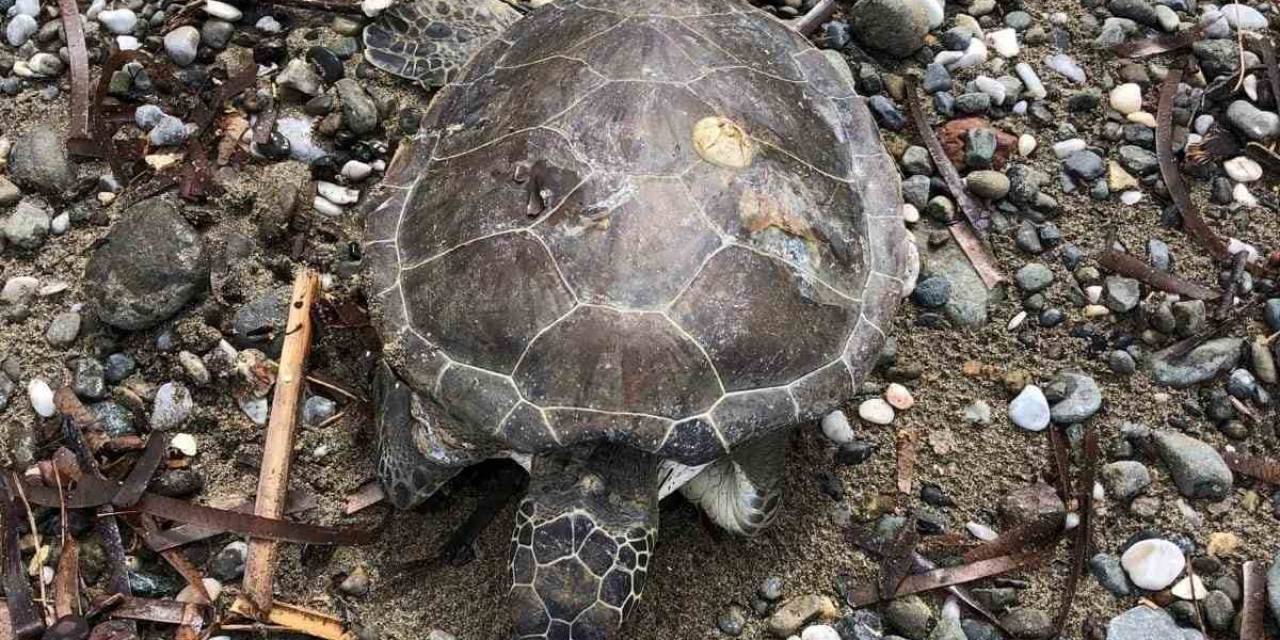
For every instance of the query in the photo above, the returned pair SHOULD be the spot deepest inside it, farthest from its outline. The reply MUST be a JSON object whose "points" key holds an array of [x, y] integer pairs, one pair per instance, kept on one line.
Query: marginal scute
{"points": [[742, 415], [823, 75], [692, 442], [635, 127], [500, 187], [526, 430], [630, 242], [571, 24], [483, 302], [530, 616], [478, 399], [742, 304], [824, 390], [603, 359]]}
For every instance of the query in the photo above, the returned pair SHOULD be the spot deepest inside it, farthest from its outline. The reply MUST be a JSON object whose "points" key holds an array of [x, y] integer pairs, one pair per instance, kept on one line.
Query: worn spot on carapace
{"points": [[721, 141], [760, 211]]}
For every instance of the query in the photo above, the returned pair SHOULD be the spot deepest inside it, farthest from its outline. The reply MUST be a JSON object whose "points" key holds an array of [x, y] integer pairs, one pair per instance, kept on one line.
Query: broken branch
{"points": [[273, 481], [78, 56], [1127, 265]]}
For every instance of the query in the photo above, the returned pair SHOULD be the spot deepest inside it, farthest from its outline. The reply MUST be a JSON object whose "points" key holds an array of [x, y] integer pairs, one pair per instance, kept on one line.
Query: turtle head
{"points": [[582, 543]]}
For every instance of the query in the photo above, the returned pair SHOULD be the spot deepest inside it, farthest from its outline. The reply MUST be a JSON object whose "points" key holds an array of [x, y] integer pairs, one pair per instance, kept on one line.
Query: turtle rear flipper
{"points": [[742, 491], [429, 40], [583, 539]]}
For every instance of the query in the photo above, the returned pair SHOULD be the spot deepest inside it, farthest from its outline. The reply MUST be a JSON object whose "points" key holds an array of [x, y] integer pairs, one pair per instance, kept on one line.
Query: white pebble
{"points": [[255, 408], [981, 531], [1131, 197], [268, 24], [1236, 246], [1031, 81], [188, 593], [372, 8], [1190, 588], [991, 87], [356, 170], [1242, 195], [876, 411], [1066, 66], [20, 29], [1026, 145], [1072, 521], [910, 214], [41, 397], [973, 56], [182, 44], [185, 443], [1243, 169], [1241, 16], [1093, 293], [1144, 118], [19, 289], [1030, 410], [1004, 41], [1017, 320], [336, 194], [27, 8], [899, 397], [1251, 87], [1068, 147], [1126, 98], [819, 632], [119, 21], [128, 43], [1153, 564], [1202, 123], [222, 10], [836, 427], [326, 207]]}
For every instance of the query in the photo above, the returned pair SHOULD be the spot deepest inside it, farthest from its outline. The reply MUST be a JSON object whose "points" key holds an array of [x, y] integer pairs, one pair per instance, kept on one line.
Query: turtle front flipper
{"points": [[742, 491], [582, 543], [429, 40], [412, 461]]}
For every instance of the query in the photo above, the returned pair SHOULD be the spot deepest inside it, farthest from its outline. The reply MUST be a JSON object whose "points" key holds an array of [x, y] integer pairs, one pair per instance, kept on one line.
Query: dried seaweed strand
{"points": [[950, 576], [1267, 48], [1061, 462], [968, 236], [1263, 469], [24, 619], [1083, 533], [1045, 529], [1192, 223], [1144, 47], [78, 56], [1127, 265]]}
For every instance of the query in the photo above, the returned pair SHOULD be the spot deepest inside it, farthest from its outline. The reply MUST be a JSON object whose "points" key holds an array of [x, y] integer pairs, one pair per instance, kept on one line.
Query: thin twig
{"points": [[273, 479], [820, 13]]}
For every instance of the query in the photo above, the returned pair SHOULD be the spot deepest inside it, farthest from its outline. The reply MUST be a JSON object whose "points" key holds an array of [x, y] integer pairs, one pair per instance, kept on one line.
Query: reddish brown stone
{"points": [[952, 136]]}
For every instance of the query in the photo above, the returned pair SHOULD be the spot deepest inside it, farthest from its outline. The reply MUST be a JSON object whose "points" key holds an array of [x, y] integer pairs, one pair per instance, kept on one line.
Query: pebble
{"points": [[794, 613], [899, 397], [118, 367], [1026, 145], [1079, 397], [1066, 66], [876, 411], [337, 194], [1031, 81], [27, 227], [211, 587], [182, 44], [222, 10], [228, 564], [1126, 98], [986, 184], [936, 78], [18, 290], [981, 531], [172, 406], [356, 583], [732, 622], [119, 21], [20, 28], [910, 616], [977, 412], [41, 397], [1107, 571], [300, 76], [1253, 122], [1028, 623], [168, 131], [1242, 16], [256, 409], [359, 112], [1125, 479], [63, 329], [1144, 623], [1153, 564], [1197, 468], [819, 632], [1122, 294], [836, 427], [1084, 165], [1004, 41], [1030, 409], [1172, 368], [1033, 277], [1243, 169], [1190, 588], [46, 65], [896, 27]]}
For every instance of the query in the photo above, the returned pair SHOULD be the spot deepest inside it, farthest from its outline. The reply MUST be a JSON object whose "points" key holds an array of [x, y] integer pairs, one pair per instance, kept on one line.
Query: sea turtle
{"points": [[633, 244]]}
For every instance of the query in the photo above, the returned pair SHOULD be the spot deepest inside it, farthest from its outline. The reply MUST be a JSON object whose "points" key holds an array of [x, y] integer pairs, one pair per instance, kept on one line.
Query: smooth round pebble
{"points": [[876, 411], [41, 397], [1126, 98], [1153, 564], [1030, 410], [899, 397], [1243, 169], [836, 427]]}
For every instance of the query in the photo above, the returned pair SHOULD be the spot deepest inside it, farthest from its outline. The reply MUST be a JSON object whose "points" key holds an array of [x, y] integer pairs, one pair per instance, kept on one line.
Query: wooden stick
{"points": [[820, 13], [273, 479], [79, 55]]}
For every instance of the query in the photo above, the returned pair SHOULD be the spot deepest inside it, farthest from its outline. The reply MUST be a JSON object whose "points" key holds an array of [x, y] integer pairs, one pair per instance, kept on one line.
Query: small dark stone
{"points": [[326, 63], [178, 483], [118, 367], [854, 453], [932, 292], [886, 113], [933, 495]]}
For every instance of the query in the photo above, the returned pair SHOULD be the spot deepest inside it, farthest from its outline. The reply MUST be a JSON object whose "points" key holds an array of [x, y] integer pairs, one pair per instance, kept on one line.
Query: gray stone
{"points": [[300, 76], [27, 226], [1188, 316], [1107, 571], [1271, 313], [1143, 623], [6, 390], [1138, 160], [63, 329], [1217, 56], [1197, 469], [317, 409], [168, 131], [20, 29], [1084, 164], [1219, 611], [1028, 623], [909, 616], [228, 564], [1122, 294], [151, 264], [1121, 362], [39, 161], [118, 367], [1033, 277], [1076, 397], [966, 305], [359, 112], [116, 421], [915, 191], [896, 27], [1125, 479], [915, 161], [979, 147], [1139, 11], [936, 78], [988, 185], [1253, 122], [182, 44], [9, 192], [1173, 369], [87, 379], [172, 406], [216, 33]]}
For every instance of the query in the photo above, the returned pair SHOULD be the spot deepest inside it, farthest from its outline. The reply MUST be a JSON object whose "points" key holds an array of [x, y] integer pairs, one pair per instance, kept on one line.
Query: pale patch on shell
{"points": [[721, 141]]}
